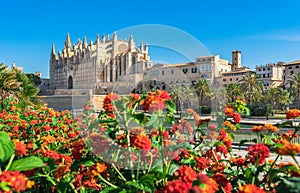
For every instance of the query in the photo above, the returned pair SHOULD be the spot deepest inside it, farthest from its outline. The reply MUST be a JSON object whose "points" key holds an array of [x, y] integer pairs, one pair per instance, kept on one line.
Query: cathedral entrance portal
{"points": [[70, 83]]}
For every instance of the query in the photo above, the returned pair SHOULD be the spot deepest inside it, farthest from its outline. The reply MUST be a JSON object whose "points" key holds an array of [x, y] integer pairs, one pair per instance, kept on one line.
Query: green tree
{"points": [[36, 80], [283, 98], [233, 90], [180, 94], [252, 86], [8, 82], [202, 90], [294, 83], [27, 93]]}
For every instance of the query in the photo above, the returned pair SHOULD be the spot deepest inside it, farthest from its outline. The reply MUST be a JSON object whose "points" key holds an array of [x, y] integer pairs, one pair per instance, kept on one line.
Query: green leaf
{"points": [[154, 121], [173, 167], [4, 186], [284, 124], [139, 117], [113, 190], [289, 185], [139, 185], [27, 163], [7, 147], [171, 107]]}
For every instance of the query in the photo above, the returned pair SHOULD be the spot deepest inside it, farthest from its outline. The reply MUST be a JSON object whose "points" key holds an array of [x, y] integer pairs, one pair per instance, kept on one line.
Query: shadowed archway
{"points": [[70, 82]]}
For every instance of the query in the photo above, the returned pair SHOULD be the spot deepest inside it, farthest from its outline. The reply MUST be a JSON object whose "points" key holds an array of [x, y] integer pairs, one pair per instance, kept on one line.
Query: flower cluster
{"points": [[293, 113], [146, 152], [155, 101]]}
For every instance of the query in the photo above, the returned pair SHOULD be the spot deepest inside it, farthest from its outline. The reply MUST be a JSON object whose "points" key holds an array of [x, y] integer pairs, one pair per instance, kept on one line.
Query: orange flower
{"points": [[293, 113], [229, 111], [229, 125], [271, 127], [257, 128], [250, 188], [20, 148], [211, 186], [49, 139], [61, 170], [289, 149], [95, 170]]}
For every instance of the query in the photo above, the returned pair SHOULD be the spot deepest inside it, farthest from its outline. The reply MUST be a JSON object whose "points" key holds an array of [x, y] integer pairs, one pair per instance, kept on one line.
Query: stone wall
{"points": [[73, 102]]}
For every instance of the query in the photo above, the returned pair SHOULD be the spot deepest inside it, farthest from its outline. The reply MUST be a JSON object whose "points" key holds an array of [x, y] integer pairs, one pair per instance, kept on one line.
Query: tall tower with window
{"points": [[236, 60]]}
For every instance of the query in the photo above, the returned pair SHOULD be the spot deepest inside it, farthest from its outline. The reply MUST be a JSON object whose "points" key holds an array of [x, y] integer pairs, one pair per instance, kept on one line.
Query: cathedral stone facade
{"points": [[96, 65]]}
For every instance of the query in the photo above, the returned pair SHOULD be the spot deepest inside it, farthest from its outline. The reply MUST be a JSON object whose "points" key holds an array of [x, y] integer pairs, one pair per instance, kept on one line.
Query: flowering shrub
{"points": [[123, 149]]}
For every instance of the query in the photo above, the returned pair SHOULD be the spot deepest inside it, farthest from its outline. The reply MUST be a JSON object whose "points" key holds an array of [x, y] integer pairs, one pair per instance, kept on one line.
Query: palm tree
{"points": [[27, 93], [252, 86], [294, 83], [233, 90], [283, 97], [202, 90], [8, 82], [180, 94]]}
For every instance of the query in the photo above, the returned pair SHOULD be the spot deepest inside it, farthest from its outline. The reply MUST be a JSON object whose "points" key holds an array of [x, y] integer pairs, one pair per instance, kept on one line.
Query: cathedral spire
{"points": [[84, 42], [97, 39], [115, 37], [53, 50], [68, 41], [131, 43]]}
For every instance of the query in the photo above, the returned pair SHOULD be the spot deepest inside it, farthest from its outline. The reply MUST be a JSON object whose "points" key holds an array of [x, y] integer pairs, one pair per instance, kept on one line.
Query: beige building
{"points": [[206, 67], [234, 76], [271, 74], [165, 75], [97, 65], [289, 70]]}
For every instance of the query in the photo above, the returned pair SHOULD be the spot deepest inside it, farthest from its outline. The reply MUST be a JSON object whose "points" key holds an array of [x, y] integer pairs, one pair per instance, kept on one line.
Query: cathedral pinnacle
{"points": [[84, 42], [68, 41], [97, 39], [115, 37], [53, 49]]}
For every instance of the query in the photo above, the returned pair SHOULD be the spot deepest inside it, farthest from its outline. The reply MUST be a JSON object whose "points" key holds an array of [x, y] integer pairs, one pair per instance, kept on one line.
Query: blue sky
{"points": [[265, 31]]}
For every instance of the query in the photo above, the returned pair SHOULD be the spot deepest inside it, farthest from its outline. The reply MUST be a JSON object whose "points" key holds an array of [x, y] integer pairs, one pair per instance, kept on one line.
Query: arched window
{"points": [[70, 82]]}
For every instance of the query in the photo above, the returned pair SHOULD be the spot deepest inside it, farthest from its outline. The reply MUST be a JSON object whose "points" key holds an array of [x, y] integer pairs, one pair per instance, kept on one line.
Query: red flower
{"points": [[134, 96], [185, 174], [16, 181], [236, 117], [33, 122], [223, 182], [239, 161], [107, 103], [202, 162], [176, 186], [222, 149], [163, 94], [20, 148], [293, 113], [210, 186], [258, 151], [141, 142], [52, 154], [156, 101], [46, 128]]}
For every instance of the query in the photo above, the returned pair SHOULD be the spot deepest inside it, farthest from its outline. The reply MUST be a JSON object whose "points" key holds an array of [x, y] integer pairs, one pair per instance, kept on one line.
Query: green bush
{"points": [[258, 110], [205, 110]]}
